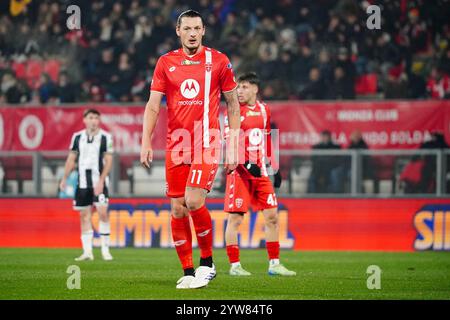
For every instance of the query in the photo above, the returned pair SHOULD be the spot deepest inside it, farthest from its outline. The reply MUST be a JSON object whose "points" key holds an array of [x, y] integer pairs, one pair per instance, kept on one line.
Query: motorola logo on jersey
{"points": [[190, 88], [255, 137]]}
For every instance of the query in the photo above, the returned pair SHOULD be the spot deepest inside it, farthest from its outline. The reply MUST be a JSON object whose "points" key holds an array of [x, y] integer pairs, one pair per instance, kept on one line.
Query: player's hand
{"points": [[98, 190], [62, 185], [277, 180], [146, 157], [253, 169], [230, 167], [231, 162]]}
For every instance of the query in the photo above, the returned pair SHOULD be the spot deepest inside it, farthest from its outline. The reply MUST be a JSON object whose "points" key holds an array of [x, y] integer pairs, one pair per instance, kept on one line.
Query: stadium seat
{"points": [[34, 70], [51, 67], [366, 84], [20, 69], [49, 181], [148, 182]]}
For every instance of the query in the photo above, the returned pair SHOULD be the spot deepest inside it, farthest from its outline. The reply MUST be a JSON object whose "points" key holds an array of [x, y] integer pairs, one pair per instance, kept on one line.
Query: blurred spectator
{"points": [[344, 61], [326, 173], [302, 66], [285, 73], [341, 88], [66, 91], [47, 89], [97, 94], [417, 86], [415, 32], [357, 142], [419, 175], [122, 80], [13, 90], [438, 84], [325, 67], [314, 90], [396, 86]]}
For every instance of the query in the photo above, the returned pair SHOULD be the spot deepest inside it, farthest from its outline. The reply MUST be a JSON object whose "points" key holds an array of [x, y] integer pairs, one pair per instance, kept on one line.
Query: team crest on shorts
{"points": [[239, 202]]}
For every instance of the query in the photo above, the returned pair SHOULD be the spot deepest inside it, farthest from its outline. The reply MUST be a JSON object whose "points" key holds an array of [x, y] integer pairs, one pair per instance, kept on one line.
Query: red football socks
{"points": [[233, 253], [182, 239], [273, 249], [203, 229]]}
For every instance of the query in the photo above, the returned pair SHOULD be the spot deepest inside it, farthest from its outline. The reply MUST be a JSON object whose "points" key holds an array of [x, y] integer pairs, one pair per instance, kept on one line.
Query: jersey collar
{"points": [[202, 49]]}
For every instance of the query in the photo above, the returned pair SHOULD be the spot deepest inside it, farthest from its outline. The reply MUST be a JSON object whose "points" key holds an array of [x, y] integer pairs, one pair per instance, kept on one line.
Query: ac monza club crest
{"points": [[190, 88], [239, 202], [208, 67]]}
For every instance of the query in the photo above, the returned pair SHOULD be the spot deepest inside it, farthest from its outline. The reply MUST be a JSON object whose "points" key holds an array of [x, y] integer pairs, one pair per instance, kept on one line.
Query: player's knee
{"points": [[103, 216], [85, 215], [194, 202], [235, 220], [272, 219], [178, 210]]}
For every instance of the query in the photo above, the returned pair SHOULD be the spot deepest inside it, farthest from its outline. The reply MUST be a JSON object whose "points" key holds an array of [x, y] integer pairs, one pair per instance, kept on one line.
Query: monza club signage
{"points": [[305, 224], [384, 125]]}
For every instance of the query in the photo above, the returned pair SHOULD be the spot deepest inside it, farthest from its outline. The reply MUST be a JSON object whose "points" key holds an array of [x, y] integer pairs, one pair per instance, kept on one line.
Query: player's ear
{"points": [[177, 29], [204, 30]]}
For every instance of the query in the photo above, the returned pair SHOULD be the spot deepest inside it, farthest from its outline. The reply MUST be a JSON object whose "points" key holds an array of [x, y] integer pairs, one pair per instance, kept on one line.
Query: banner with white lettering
{"points": [[384, 125]]}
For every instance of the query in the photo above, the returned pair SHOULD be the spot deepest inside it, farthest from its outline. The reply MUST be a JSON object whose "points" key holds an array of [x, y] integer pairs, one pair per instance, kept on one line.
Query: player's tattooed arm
{"points": [[150, 117], [234, 123]]}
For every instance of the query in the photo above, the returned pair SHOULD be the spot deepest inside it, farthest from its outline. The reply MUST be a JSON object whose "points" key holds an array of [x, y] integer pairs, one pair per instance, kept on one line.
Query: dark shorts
{"points": [[85, 198]]}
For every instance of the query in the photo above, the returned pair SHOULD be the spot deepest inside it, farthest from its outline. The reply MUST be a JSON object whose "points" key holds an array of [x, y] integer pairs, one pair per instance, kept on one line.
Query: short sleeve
{"points": [[227, 79], [159, 82], [75, 143]]}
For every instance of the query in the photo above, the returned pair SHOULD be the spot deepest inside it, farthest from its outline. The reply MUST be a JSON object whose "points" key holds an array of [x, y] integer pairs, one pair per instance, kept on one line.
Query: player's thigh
{"points": [[102, 200], [176, 178], [264, 196], [83, 200], [237, 194]]}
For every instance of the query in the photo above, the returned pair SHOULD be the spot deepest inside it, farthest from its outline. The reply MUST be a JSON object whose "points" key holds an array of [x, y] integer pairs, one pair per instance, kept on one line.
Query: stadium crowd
{"points": [[301, 49]]}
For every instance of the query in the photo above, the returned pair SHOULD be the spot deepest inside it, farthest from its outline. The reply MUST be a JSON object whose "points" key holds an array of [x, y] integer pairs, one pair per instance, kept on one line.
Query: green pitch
{"points": [[152, 274]]}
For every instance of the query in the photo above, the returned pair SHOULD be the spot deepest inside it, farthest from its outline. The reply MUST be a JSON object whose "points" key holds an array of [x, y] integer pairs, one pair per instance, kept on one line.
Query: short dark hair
{"points": [[190, 14], [250, 77], [89, 111], [326, 133]]}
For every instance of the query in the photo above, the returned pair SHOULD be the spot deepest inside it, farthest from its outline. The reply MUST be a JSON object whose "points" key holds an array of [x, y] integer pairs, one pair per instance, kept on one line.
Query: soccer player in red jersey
{"points": [[249, 184], [192, 78]]}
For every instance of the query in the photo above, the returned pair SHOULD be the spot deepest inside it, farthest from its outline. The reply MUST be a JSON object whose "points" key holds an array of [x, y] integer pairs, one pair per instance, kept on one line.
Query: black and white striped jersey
{"points": [[90, 151]]}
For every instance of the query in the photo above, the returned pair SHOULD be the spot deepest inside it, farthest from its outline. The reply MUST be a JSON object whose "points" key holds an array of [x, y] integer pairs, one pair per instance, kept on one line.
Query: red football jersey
{"points": [[192, 85], [255, 125]]}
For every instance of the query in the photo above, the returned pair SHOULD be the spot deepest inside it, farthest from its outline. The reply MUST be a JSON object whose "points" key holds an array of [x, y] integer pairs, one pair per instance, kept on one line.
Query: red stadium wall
{"points": [[305, 224]]}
